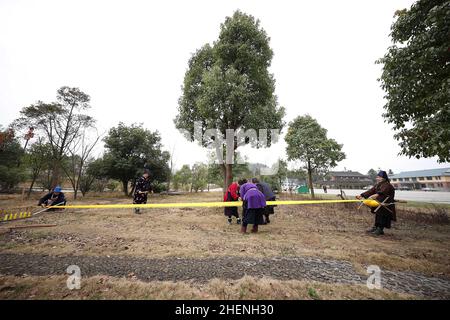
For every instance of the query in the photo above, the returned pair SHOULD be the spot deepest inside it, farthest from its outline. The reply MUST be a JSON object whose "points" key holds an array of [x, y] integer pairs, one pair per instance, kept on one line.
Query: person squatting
{"points": [[383, 190], [54, 198]]}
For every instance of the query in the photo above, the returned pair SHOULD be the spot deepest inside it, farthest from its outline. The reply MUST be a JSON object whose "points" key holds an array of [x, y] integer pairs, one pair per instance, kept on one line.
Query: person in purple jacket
{"points": [[254, 203]]}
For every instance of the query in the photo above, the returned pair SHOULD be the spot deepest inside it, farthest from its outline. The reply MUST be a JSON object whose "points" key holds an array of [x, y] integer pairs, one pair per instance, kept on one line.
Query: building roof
{"points": [[422, 173], [346, 174]]}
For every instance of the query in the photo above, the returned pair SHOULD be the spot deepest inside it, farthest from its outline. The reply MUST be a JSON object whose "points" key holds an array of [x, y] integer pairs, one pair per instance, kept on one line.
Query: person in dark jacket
{"points": [[383, 190], [141, 190], [270, 196], [56, 197]]}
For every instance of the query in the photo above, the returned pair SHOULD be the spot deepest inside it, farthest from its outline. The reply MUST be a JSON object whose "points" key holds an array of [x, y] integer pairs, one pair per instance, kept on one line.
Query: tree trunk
{"points": [[55, 176], [125, 187], [224, 175], [281, 185], [168, 182], [133, 187], [310, 182], [31, 186], [228, 175]]}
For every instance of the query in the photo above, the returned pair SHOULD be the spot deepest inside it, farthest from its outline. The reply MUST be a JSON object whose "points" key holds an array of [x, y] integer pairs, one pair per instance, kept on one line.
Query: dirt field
{"points": [[307, 252]]}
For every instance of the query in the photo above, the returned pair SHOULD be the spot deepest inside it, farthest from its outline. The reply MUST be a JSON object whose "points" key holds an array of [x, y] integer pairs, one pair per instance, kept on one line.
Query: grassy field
{"points": [[103, 287], [418, 242]]}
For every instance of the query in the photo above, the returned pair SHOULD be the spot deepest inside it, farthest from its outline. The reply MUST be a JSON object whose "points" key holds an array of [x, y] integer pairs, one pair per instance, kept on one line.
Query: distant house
{"points": [[438, 179], [346, 180]]}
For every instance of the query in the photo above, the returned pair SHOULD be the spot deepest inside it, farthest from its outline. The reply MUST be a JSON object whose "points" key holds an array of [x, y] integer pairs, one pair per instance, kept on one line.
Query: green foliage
{"points": [[242, 170], [313, 294], [307, 142], [97, 168], [199, 177], [372, 174], [159, 187], [228, 85], [60, 122], [416, 78], [130, 149], [183, 178], [38, 158], [98, 185], [94, 177], [112, 185], [195, 179], [297, 173], [11, 174], [215, 170], [215, 174], [275, 181]]}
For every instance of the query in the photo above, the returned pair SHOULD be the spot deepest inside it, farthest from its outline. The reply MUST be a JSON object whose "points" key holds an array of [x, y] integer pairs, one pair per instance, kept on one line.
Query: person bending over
{"points": [[53, 198]]}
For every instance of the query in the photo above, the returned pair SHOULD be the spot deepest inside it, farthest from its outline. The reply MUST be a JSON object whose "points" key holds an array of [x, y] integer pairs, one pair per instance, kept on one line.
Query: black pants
{"points": [[383, 218], [253, 216], [231, 212], [139, 198]]}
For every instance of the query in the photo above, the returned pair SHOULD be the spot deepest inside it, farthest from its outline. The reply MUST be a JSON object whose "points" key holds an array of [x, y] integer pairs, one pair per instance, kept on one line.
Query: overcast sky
{"points": [[131, 56]]}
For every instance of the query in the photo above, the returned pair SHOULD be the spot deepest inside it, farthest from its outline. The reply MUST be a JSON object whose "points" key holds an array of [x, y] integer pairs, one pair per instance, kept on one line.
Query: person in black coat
{"points": [[265, 188], [142, 188], [383, 190]]}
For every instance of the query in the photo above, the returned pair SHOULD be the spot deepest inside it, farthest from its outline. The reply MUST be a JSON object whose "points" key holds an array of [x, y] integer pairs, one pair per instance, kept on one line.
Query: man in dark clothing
{"points": [[56, 197], [269, 195], [141, 190], [383, 190]]}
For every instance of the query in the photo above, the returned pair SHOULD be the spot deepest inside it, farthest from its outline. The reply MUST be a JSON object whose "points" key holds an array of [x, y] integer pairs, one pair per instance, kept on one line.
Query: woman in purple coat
{"points": [[254, 203]]}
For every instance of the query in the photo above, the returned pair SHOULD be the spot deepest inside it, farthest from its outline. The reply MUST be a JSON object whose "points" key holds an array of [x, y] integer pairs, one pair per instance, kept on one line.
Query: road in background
{"points": [[421, 196]]}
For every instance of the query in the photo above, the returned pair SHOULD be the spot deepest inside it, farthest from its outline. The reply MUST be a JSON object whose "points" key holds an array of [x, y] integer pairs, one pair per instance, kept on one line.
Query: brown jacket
{"points": [[384, 189]]}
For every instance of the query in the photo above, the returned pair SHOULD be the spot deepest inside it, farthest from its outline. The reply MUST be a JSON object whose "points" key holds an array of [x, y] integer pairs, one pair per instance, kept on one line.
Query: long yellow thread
{"points": [[209, 204]]}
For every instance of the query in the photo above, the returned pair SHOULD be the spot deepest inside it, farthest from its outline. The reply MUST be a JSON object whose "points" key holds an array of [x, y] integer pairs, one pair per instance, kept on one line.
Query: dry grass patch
{"points": [[418, 242], [103, 287]]}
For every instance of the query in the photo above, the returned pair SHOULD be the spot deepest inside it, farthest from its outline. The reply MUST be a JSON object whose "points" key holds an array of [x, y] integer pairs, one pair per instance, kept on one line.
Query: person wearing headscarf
{"points": [[254, 203], [382, 190], [141, 190], [265, 188], [54, 198], [232, 194]]}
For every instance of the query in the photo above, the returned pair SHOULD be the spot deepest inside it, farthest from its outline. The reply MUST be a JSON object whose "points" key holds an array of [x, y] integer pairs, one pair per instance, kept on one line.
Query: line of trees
{"points": [[228, 85], [63, 150], [201, 176]]}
